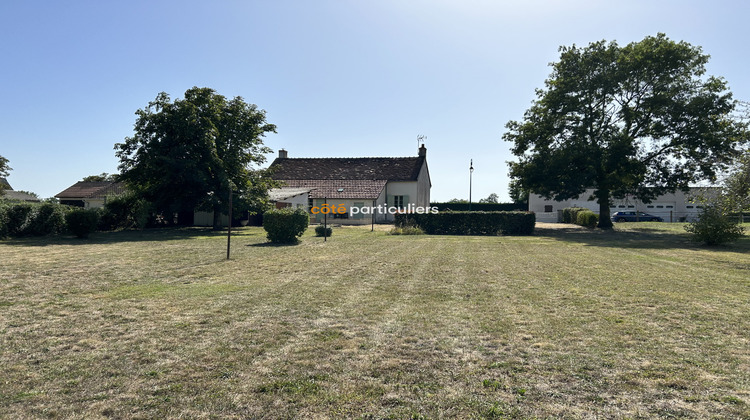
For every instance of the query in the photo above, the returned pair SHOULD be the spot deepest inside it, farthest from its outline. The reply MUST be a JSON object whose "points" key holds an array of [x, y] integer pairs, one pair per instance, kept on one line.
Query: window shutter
{"points": [[389, 201], [406, 201]]}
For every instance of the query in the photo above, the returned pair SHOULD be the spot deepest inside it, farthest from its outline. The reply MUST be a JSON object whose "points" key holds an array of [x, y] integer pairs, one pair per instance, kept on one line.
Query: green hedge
{"points": [[470, 223], [285, 225], [570, 214], [321, 230], [24, 219], [480, 206], [82, 222], [587, 218]]}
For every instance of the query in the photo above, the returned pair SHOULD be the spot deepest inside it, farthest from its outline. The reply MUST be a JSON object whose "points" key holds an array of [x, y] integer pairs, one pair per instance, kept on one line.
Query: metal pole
{"points": [[471, 171], [372, 229], [325, 220], [229, 231]]}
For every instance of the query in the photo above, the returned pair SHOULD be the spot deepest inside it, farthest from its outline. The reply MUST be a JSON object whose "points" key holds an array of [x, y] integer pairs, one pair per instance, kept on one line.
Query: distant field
{"points": [[573, 323]]}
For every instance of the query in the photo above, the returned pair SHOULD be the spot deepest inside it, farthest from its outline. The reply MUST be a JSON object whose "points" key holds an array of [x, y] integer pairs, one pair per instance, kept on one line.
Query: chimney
{"points": [[282, 154], [422, 151]]}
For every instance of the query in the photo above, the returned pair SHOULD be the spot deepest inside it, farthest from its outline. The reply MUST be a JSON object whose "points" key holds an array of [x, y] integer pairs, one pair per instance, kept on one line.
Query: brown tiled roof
{"points": [[98, 189], [17, 196], [388, 168], [366, 189]]}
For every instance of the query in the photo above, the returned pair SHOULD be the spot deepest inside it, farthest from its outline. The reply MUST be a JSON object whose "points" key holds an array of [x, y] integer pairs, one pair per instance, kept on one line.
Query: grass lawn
{"points": [[572, 323]]}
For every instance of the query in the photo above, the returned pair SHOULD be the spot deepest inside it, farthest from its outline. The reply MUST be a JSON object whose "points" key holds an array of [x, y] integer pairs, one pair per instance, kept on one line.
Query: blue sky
{"points": [[338, 78]]}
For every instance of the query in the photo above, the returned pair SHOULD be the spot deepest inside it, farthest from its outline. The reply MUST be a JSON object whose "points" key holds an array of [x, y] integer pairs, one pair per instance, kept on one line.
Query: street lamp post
{"points": [[471, 171]]}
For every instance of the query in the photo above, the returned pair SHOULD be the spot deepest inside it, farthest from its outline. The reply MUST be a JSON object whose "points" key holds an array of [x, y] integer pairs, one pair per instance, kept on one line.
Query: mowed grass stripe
{"points": [[567, 323]]}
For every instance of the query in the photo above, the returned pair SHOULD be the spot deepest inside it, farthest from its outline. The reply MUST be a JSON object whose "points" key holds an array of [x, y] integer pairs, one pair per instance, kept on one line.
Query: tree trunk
{"points": [[605, 222], [217, 217]]}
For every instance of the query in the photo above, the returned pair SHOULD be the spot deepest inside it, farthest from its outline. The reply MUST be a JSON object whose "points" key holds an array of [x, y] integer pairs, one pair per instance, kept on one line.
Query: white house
{"points": [[362, 183], [90, 195], [670, 207]]}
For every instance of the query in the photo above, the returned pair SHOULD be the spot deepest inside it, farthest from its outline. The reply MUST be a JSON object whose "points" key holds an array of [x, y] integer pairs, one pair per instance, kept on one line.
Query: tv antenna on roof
{"points": [[420, 139]]}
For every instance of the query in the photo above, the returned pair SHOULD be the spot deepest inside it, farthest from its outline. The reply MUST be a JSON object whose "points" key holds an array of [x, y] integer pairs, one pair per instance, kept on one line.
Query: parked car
{"points": [[631, 216]]}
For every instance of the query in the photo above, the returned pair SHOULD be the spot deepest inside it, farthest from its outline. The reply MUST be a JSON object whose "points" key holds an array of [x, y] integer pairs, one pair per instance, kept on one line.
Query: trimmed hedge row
{"points": [[480, 206], [31, 219], [580, 216], [285, 225], [470, 223], [570, 214], [587, 218]]}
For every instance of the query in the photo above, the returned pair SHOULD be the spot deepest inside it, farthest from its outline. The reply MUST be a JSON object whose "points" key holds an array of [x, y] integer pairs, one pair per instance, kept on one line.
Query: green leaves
{"points": [[640, 119], [185, 152]]}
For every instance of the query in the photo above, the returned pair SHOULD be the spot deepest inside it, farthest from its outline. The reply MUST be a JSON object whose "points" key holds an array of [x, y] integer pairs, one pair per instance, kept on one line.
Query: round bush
{"points": [[587, 218], [82, 222], [285, 225], [713, 227], [48, 219], [321, 230]]}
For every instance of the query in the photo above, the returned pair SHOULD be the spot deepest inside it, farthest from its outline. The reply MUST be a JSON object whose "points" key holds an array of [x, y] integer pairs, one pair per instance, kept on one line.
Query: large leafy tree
{"points": [[642, 119], [188, 153]]}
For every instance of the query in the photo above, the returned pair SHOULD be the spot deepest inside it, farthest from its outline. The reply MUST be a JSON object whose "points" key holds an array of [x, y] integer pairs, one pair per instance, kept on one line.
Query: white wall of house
{"points": [[423, 187], [670, 207], [350, 218]]}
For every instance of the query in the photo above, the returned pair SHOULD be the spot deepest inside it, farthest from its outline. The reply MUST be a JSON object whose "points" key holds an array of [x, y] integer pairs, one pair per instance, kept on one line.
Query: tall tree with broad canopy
{"points": [[642, 119], [186, 153]]}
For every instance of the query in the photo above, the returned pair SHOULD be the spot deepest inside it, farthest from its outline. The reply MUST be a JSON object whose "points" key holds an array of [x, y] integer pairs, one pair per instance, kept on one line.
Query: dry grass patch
{"points": [[636, 323]]}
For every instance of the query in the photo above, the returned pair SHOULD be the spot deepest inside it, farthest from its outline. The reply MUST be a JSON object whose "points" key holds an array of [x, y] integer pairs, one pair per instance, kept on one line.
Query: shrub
{"points": [[321, 230], [3, 220], [17, 217], [406, 230], [470, 223], [285, 225], [570, 214], [713, 227], [82, 222], [125, 211], [587, 218], [47, 219]]}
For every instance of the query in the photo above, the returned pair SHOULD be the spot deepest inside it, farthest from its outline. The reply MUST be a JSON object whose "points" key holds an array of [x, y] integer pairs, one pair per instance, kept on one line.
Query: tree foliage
{"points": [[4, 171], [714, 227], [492, 198], [185, 154], [736, 186], [517, 193], [642, 119], [101, 177]]}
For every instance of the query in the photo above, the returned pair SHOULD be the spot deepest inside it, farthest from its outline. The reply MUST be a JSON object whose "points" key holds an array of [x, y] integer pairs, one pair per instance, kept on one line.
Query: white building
{"points": [[362, 183], [670, 207]]}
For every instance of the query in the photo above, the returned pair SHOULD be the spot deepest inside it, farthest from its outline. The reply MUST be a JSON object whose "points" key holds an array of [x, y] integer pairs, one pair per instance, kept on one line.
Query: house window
{"points": [[631, 207], [547, 209], [398, 201], [621, 206], [310, 204], [659, 207], [688, 207], [649, 207]]}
